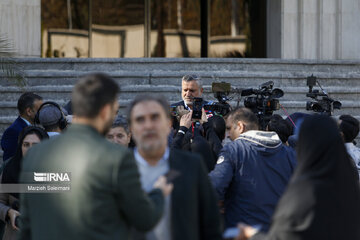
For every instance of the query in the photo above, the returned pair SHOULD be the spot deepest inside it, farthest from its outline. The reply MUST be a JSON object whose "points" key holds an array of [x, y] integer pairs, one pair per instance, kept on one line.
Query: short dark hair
{"points": [[282, 127], [27, 100], [91, 93], [52, 127], [121, 122], [245, 115], [219, 126], [349, 126], [146, 98]]}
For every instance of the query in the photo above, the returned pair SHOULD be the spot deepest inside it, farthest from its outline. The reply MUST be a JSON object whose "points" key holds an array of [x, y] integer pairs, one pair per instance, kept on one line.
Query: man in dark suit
{"points": [[27, 105], [106, 196], [191, 86], [191, 211]]}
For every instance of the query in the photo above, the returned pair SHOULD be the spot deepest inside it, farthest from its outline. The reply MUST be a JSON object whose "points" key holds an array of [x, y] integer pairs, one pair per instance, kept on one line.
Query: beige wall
{"points": [[107, 42], [20, 22]]}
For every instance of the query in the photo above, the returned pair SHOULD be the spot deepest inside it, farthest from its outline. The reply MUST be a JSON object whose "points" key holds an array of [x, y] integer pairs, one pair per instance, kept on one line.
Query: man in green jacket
{"points": [[106, 197]]}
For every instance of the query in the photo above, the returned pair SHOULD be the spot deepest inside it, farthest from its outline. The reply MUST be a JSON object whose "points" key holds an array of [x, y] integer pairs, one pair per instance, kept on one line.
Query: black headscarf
{"points": [[12, 169], [322, 200]]}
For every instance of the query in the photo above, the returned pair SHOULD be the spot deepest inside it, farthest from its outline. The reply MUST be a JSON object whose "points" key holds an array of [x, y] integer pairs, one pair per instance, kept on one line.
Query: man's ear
{"points": [[169, 123], [342, 136], [241, 127], [105, 110], [201, 91], [28, 111]]}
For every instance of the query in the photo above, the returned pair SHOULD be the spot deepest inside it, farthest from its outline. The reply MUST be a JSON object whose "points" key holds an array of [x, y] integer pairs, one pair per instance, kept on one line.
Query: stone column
{"points": [[20, 22], [314, 29]]}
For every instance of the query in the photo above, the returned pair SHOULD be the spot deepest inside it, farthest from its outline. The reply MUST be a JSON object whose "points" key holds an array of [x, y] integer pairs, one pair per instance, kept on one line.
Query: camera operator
{"points": [[349, 129], [252, 171]]}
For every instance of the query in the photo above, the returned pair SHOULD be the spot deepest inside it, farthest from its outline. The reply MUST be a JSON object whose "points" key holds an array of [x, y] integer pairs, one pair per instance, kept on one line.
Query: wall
{"points": [[20, 23], [315, 29]]}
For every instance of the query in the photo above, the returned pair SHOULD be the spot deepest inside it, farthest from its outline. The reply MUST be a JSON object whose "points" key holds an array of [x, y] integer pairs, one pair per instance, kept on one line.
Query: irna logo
{"points": [[51, 177]]}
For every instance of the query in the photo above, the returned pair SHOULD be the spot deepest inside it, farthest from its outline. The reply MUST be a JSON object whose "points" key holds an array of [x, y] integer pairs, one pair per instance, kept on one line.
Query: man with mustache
{"points": [[191, 87], [190, 211]]}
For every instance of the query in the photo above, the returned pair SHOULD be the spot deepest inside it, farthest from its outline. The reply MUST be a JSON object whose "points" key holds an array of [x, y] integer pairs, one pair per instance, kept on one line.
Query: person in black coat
{"points": [[198, 137]]}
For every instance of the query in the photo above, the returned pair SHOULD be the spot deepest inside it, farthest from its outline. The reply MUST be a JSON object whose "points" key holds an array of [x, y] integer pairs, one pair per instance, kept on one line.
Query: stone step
{"points": [[156, 77], [348, 107], [189, 64], [54, 78], [61, 94]]}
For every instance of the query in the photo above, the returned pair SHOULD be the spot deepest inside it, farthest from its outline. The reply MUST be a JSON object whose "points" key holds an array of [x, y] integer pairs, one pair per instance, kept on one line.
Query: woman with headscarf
{"points": [[322, 200], [9, 202]]}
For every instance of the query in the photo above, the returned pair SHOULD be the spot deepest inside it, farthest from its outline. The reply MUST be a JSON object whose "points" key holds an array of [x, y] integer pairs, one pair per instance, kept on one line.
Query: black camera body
{"points": [[325, 105], [264, 103], [221, 92], [197, 108]]}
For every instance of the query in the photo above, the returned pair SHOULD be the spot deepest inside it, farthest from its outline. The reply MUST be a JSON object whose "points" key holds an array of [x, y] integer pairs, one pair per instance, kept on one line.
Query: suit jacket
{"points": [[194, 211], [9, 139], [105, 198]]}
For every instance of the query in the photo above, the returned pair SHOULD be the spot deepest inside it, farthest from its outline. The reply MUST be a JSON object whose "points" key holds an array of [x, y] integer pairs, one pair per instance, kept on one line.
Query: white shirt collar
{"points": [[26, 121], [164, 159], [186, 106]]}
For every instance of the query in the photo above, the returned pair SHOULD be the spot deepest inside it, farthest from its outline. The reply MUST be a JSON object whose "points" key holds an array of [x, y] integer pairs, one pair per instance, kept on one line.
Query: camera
{"points": [[197, 108], [325, 105], [264, 103], [221, 92]]}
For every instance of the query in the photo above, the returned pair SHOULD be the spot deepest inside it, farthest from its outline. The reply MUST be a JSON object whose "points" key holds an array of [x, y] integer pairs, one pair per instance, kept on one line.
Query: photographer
{"points": [[252, 171], [198, 136]]}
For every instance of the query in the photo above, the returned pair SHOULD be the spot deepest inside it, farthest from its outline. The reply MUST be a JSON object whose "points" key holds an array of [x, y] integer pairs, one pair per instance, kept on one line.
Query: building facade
{"points": [[288, 29]]}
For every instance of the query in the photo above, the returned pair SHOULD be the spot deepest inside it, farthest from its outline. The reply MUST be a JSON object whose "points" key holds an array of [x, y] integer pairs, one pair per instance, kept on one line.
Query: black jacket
{"points": [[208, 147], [194, 211]]}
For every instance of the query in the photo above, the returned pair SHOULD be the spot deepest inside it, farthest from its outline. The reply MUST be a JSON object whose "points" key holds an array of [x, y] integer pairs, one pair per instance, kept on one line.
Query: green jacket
{"points": [[105, 198]]}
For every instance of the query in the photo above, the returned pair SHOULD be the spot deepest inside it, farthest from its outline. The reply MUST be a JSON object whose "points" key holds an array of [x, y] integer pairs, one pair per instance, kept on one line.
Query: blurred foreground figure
{"points": [[190, 211], [106, 198], [322, 199]]}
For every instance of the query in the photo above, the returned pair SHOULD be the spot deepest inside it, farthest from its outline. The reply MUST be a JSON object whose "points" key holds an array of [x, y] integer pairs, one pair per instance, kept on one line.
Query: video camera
{"points": [[221, 92], [264, 103], [325, 105]]}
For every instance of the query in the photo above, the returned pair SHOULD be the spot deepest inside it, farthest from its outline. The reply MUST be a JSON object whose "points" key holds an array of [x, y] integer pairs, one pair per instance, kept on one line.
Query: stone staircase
{"points": [[53, 79]]}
